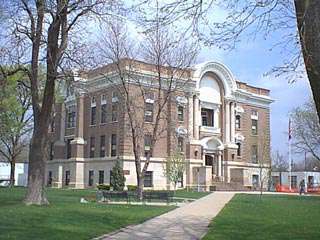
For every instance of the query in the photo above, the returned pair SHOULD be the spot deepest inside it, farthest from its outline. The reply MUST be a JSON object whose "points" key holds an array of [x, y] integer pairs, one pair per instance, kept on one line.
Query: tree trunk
{"points": [[12, 172], [36, 174], [140, 180], [308, 21]]}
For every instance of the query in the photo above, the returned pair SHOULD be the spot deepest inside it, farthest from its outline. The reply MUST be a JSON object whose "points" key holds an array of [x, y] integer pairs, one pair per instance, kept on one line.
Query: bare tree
{"points": [[295, 23], [278, 162], [264, 161], [306, 129], [147, 102], [45, 33]]}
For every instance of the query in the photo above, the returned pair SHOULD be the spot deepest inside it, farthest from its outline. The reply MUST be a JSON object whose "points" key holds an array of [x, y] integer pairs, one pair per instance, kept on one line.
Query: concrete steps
{"points": [[224, 186]]}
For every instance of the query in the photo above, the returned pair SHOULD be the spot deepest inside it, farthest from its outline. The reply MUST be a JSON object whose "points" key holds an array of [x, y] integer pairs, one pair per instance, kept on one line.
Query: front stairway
{"points": [[232, 186]]}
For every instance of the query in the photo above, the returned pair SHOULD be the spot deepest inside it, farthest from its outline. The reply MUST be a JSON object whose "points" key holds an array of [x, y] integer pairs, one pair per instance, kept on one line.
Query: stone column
{"points": [[190, 109], [62, 123], [219, 165], [79, 142], [60, 176], [233, 120], [59, 145], [79, 179], [197, 113], [227, 122], [216, 117]]}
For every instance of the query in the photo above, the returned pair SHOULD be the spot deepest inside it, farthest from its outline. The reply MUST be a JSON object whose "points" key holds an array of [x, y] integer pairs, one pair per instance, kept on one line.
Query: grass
{"points": [[190, 194], [273, 217], [66, 217]]}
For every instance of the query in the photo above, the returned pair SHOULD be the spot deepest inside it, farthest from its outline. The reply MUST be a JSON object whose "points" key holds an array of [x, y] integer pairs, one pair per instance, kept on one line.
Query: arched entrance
{"points": [[212, 155]]}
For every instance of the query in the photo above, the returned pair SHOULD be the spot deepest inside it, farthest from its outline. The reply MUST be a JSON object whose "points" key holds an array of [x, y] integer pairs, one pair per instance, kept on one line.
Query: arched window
{"points": [[239, 149], [238, 122]]}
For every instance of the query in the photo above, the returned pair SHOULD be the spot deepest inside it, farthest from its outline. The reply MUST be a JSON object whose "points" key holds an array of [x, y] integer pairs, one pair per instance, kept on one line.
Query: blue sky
{"points": [[249, 62]]}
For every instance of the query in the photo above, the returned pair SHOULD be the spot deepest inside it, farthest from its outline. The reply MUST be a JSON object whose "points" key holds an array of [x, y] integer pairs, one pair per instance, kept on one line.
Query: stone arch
{"points": [[211, 143], [219, 70]]}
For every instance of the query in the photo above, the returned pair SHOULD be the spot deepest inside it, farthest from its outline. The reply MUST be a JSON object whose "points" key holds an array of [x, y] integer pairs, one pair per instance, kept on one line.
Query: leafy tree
{"points": [[117, 177], [15, 121], [174, 168], [45, 33]]}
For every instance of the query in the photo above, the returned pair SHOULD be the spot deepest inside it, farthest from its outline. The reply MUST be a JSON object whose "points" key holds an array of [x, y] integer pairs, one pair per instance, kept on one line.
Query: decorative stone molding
{"points": [[239, 137], [211, 144], [183, 101], [223, 73], [79, 141], [181, 131], [239, 110], [210, 130]]}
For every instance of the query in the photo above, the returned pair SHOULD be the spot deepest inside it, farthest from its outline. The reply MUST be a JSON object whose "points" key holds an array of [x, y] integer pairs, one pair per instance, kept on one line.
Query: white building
{"points": [[311, 178], [21, 174]]}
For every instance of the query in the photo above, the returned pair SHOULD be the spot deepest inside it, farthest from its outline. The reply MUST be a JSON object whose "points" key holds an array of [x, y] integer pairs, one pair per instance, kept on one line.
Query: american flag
{"points": [[289, 131]]}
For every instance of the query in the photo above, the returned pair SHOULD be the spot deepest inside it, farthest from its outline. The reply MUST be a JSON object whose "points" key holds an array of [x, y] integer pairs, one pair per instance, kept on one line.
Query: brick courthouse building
{"points": [[220, 124]]}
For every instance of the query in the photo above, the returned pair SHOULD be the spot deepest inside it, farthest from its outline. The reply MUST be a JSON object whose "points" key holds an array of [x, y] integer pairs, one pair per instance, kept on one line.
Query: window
{"points": [[180, 144], [180, 113], [91, 176], [93, 101], [51, 149], [310, 181], [254, 112], [180, 182], [294, 181], [113, 145], [71, 117], [239, 149], [148, 114], [238, 122], [114, 112], [207, 116], [254, 127], [102, 146], [103, 97], [52, 125], [114, 96], [254, 154], [103, 113], [92, 146], [148, 179], [101, 177], [69, 148], [67, 180], [147, 146], [49, 183], [93, 115], [255, 180]]}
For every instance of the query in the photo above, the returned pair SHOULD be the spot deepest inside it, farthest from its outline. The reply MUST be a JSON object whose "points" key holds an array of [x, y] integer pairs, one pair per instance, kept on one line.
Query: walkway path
{"points": [[188, 222]]}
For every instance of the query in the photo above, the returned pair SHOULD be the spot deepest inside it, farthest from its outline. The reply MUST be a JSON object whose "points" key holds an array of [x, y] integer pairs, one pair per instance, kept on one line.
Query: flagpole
{"points": [[290, 164], [290, 157]]}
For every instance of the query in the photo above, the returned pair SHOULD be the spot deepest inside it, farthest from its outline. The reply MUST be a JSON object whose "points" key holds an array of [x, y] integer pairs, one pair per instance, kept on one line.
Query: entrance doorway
{"points": [[210, 161]]}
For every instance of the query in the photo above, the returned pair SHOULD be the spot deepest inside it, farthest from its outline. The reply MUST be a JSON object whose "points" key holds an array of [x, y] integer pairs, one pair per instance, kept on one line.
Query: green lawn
{"points": [[274, 217], [66, 217], [190, 194]]}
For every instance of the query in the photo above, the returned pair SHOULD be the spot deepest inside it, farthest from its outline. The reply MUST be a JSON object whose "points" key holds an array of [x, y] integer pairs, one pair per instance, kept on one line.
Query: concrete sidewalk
{"points": [[188, 222]]}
